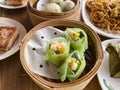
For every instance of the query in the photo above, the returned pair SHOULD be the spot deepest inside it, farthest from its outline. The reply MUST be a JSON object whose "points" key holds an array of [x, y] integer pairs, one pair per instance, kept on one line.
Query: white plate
{"points": [[3, 5], [22, 33], [103, 73], [88, 22]]}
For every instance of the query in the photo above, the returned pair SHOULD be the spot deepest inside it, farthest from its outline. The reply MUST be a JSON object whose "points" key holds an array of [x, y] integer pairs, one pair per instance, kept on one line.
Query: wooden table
{"points": [[12, 74]]}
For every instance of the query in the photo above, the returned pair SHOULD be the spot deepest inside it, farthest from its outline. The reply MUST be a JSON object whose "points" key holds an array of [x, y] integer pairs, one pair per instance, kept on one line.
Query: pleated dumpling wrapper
{"points": [[57, 50], [78, 38], [114, 59], [73, 66]]}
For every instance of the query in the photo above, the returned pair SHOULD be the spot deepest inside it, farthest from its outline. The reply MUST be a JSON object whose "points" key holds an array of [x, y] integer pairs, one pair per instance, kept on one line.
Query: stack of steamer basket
{"points": [[37, 16]]}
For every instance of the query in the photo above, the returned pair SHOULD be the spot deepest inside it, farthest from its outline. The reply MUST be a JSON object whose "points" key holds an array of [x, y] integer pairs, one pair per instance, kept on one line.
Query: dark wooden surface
{"points": [[12, 74]]}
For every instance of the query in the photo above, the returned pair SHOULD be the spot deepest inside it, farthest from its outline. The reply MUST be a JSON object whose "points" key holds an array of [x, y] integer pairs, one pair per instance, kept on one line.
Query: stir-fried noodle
{"points": [[105, 14]]}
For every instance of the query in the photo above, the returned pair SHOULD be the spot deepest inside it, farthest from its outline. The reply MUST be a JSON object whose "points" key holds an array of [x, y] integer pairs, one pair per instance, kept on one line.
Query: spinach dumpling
{"points": [[73, 66], [78, 38], [57, 50]]}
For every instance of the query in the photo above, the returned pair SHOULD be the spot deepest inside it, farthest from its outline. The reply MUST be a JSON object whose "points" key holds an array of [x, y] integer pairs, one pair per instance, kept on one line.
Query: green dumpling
{"points": [[73, 66], [78, 38], [57, 50]]}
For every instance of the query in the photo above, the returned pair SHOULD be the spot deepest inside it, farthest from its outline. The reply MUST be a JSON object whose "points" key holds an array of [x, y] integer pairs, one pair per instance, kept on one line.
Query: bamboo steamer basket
{"points": [[54, 15], [35, 19], [38, 18], [95, 48]]}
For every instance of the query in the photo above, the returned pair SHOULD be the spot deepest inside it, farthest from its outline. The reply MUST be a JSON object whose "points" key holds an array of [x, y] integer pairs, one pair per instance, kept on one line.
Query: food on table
{"points": [[57, 6], [56, 1], [67, 5], [52, 7], [105, 14], [114, 59], [57, 50], [67, 53], [15, 2], [77, 37], [73, 66], [8, 35]]}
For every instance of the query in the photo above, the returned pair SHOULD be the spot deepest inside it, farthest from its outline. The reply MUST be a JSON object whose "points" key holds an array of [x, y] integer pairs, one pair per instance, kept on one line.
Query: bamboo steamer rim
{"points": [[40, 17], [62, 22], [50, 17], [29, 9], [53, 14], [35, 19]]}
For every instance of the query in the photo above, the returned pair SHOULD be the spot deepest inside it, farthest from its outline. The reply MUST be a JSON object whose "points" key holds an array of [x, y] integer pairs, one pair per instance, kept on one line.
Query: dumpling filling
{"points": [[73, 66], [74, 61], [78, 38], [57, 50], [57, 47], [75, 35]]}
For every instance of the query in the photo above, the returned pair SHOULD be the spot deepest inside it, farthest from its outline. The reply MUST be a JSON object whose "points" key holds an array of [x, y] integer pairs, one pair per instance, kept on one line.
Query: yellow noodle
{"points": [[105, 14]]}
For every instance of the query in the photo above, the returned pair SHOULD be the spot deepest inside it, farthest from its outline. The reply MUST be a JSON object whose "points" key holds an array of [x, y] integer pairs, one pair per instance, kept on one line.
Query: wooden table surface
{"points": [[12, 74]]}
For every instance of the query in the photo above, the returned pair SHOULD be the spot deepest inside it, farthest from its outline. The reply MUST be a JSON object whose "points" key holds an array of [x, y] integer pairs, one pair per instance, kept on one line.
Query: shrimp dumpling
{"points": [[56, 1], [78, 38], [57, 50], [53, 7], [73, 66], [67, 5]]}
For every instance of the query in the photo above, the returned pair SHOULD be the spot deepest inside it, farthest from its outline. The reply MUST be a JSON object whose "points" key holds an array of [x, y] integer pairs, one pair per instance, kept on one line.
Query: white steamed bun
{"points": [[56, 1], [53, 7]]}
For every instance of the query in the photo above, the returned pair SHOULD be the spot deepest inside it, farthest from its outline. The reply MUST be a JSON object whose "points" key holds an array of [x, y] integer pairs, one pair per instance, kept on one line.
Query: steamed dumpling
{"points": [[73, 66], [56, 1], [78, 38], [67, 5], [57, 50], [53, 7]]}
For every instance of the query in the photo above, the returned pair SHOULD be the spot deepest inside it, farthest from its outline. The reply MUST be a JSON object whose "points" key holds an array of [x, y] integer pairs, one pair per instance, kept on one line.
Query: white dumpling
{"points": [[56, 1], [53, 7], [67, 5]]}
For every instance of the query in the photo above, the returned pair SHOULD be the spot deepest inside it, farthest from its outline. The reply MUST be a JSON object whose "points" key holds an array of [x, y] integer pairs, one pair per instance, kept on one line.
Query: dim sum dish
{"points": [[42, 10], [13, 4], [114, 59], [108, 74], [73, 66], [50, 58], [8, 35], [57, 50], [11, 35], [56, 6], [77, 37], [102, 16]]}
